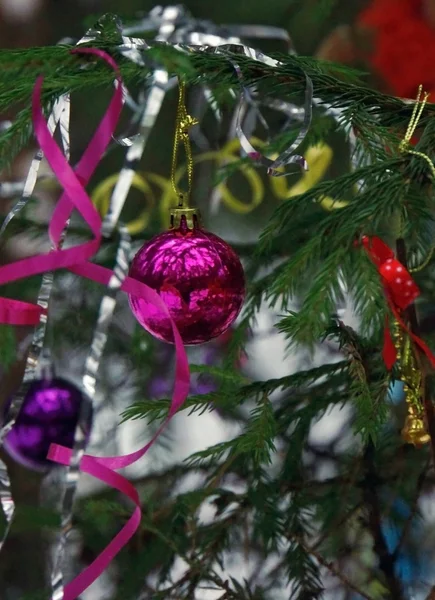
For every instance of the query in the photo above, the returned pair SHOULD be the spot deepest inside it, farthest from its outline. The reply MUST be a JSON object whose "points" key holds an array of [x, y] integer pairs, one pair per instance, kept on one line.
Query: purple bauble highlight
{"points": [[198, 276], [49, 415]]}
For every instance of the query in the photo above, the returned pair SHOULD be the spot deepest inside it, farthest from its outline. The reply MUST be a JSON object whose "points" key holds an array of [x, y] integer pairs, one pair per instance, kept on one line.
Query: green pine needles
{"points": [[311, 521]]}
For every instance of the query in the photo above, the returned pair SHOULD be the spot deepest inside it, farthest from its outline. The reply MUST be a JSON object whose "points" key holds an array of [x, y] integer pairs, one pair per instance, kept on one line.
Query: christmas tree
{"points": [[321, 485]]}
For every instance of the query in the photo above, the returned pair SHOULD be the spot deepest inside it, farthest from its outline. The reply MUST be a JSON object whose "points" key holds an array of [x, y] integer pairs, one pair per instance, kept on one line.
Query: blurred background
{"points": [[392, 41]]}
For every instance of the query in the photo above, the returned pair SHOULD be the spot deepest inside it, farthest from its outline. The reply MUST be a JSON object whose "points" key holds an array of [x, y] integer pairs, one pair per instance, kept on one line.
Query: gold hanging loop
{"points": [[405, 147], [183, 123]]}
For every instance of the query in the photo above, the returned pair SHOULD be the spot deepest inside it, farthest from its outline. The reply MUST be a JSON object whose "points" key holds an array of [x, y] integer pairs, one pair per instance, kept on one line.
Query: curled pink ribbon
{"points": [[76, 259]]}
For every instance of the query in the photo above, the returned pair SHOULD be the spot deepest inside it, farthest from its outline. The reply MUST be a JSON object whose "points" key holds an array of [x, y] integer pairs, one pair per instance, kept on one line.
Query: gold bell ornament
{"points": [[414, 430]]}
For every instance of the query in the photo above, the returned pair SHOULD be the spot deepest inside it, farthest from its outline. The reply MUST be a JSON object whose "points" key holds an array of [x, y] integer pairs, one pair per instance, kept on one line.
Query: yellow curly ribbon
{"points": [[222, 157], [101, 199], [319, 158], [227, 156]]}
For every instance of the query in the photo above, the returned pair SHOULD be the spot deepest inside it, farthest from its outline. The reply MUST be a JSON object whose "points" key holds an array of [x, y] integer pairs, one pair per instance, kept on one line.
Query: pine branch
{"points": [[369, 384], [256, 443], [65, 73], [153, 410], [317, 265], [295, 380], [339, 227], [335, 572]]}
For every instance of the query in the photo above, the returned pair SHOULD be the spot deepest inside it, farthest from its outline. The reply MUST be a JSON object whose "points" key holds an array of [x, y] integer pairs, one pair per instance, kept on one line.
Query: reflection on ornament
{"points": [[414, 431], [198, 276], [49, 415]]}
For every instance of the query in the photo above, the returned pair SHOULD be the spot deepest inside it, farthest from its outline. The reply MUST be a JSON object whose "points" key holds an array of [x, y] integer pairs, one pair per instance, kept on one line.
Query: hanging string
{"points": [[183, 123], [405, 144], [405, 147]]}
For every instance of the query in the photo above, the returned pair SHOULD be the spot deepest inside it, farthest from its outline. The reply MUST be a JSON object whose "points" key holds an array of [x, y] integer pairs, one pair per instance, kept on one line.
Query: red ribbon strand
{"points": [[400, 290]]}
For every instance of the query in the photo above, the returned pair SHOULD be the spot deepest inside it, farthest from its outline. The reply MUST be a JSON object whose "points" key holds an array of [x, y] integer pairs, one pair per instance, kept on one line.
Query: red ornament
{"points": [[198, 276]]}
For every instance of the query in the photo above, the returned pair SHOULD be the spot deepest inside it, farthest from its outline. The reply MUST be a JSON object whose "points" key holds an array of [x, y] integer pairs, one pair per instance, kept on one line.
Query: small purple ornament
{"points": [[49, 414], [198, 276]]}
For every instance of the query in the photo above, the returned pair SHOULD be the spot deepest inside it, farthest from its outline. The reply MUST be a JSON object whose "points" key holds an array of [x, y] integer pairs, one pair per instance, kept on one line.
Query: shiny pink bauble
{"points": [[198, 276]]}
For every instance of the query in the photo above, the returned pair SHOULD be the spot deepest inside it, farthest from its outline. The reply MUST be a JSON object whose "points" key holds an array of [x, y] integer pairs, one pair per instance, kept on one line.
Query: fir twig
{"points": [[69, 73], [336, 572]]}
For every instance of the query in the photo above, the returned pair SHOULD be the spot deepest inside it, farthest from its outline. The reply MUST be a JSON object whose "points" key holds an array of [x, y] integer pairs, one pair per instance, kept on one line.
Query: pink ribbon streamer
{"points": [[76, 259]]}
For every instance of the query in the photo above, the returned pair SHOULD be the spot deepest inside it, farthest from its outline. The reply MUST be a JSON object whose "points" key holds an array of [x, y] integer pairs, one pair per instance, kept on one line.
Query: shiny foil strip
{"points": [[288, 156], [149, 113], [60, 117], [89, 385], [199, 35], [189, 34], [135, 151], [174, 25]]}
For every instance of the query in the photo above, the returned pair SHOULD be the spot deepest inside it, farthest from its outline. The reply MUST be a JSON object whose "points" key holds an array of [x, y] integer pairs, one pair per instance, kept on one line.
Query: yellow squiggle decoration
{"points": [[101, 199], [319, 158]]}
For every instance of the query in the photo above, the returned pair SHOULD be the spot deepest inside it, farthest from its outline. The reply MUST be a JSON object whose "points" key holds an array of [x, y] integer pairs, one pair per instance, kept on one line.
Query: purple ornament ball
{"points": [[198, 276], [49, 414]]}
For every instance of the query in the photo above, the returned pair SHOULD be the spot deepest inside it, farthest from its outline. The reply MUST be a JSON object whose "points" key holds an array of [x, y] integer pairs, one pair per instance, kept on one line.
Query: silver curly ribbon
{"points": [[188, 34], [247, 114], [59, 117], [89, 384], [150, 111], [288, 156]]}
